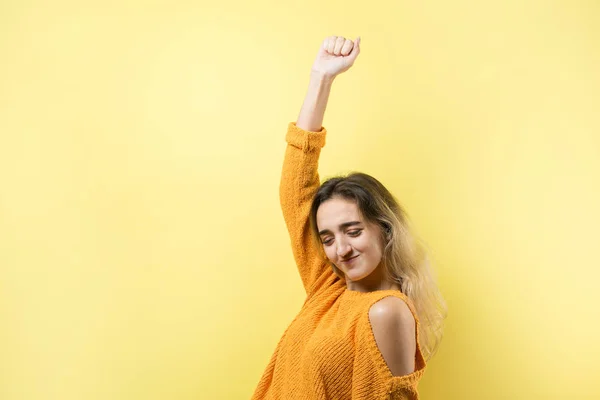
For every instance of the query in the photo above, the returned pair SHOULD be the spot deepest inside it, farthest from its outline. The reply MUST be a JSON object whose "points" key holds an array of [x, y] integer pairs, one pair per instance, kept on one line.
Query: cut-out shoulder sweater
{"points": [[329, 349]]}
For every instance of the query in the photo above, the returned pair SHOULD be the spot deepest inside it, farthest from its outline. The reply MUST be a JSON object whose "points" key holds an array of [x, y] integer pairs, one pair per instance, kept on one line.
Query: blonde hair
{"points": [[405, 260]]}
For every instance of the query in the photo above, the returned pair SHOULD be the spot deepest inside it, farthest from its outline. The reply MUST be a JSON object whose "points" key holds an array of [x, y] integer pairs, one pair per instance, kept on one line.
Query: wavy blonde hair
{"points": [[405, 260]]}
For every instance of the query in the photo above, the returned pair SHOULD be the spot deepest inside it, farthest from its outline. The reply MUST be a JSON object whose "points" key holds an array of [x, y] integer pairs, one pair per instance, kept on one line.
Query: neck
{"points": [[361, 286]]}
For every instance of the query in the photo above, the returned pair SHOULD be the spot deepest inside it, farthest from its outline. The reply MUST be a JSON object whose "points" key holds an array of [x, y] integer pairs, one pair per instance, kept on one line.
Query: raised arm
{"points": [[305, 138]]}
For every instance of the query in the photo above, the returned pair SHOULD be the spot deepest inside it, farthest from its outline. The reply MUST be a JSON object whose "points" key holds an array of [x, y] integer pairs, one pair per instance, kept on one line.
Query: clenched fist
{"points": [[336, 55]]}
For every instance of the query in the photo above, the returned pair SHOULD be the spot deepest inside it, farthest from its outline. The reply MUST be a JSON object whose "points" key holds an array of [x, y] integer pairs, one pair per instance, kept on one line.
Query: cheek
{"points": [[329, 252], [364, 243], [370, 245]]}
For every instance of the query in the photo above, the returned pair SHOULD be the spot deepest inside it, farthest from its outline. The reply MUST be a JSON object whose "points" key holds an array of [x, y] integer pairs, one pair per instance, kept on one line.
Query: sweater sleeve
{"points": [[299, 183]]}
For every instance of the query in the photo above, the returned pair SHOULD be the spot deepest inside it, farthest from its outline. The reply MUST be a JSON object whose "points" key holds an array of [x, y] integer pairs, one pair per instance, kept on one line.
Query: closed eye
{"points": [[354, 233]]}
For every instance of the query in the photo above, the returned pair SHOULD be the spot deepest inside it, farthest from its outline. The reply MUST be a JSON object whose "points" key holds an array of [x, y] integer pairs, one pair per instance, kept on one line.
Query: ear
{"points": [[387, 231]]}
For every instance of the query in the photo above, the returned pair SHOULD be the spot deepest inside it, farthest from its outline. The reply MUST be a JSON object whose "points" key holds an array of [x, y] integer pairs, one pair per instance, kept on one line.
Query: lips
{"points": [[350, 259]]}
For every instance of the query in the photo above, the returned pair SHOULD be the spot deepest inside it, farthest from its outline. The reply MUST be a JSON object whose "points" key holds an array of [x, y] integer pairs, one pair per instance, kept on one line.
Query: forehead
{"points": [[335, 211]]}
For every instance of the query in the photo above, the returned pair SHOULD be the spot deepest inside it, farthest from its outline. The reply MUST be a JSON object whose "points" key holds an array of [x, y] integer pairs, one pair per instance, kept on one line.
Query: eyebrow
{"points": [[342, 226]]}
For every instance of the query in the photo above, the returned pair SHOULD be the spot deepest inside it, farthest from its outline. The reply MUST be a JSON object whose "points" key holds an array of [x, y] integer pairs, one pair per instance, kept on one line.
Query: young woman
{"points": [[373, 314]]}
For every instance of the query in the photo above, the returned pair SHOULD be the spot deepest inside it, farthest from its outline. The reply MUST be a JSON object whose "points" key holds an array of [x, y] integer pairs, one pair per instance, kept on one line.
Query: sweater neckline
{"points": [[357, 293]]}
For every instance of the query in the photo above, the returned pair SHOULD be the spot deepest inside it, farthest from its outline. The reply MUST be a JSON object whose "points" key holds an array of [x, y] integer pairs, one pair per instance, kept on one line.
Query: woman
{"points": [[366, 330]]}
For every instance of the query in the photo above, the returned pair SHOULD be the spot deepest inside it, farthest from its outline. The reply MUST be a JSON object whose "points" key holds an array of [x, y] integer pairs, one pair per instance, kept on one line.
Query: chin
{"points": [[355, 277], [357, 274]]}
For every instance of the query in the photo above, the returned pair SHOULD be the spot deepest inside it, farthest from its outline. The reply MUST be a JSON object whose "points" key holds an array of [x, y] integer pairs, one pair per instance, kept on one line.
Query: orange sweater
{"points": [[329, 351]]}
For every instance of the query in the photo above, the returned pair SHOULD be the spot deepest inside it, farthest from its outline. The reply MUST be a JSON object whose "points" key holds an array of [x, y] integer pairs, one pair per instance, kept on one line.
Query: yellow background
{"points": [[142, 250]]}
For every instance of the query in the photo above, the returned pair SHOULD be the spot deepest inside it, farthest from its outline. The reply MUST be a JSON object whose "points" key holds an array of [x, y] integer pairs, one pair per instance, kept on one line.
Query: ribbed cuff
{"points": [[305, 140]]}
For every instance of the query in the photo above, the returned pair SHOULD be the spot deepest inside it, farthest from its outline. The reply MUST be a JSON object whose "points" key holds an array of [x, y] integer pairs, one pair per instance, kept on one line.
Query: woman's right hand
{"points": [[336, 55]]}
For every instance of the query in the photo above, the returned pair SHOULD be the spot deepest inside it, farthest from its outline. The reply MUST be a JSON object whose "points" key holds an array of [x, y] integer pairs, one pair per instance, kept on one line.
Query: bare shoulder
{"points": [[391, 307], [394, 327]]}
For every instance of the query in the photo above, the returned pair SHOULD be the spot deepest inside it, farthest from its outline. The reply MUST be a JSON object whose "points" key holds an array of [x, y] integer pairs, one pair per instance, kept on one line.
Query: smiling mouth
{"points": [[350, 259]]}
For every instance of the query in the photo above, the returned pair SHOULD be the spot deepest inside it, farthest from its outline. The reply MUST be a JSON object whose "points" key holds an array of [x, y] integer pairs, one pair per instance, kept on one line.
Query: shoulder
{"points": [[391, 308], [394, 329]]}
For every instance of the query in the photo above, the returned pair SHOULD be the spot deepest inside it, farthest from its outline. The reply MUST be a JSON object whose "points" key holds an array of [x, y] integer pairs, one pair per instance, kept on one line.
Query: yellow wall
{"points": [[142, 250]]}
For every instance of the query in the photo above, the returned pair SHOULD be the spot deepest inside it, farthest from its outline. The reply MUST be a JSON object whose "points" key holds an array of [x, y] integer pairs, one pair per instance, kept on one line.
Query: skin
{"points": [[336, 55], [346, 234], [362, 241], [391, 320]]}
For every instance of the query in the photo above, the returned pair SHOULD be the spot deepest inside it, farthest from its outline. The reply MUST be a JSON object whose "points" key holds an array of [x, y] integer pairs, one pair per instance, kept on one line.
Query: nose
{"points": [[343, 249]]}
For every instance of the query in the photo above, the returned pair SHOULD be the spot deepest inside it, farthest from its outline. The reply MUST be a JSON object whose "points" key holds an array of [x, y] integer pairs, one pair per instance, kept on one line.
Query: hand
{"points": [[336, 55]]}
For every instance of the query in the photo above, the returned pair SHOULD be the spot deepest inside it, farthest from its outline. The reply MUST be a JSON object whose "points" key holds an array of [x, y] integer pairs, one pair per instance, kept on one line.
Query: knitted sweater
{"points": [[329, 350]]}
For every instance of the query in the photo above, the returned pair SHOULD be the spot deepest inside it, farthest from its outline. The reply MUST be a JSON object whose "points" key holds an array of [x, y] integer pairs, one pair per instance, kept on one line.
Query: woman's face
{"points": [[352, 244]]}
